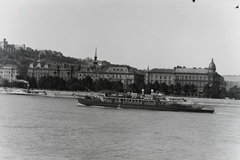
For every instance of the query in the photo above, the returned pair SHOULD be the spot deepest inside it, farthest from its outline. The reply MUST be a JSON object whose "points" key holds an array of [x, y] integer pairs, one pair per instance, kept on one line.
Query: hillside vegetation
{"points": [[25, 57]]}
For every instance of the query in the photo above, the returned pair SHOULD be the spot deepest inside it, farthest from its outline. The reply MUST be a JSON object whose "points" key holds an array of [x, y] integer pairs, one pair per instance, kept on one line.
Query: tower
{"points": [[95, 57], [147, 75], [212, 67]]}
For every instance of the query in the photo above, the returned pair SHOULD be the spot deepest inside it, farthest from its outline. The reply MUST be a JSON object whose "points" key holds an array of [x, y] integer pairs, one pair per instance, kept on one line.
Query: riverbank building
{"points": [[182, 75]]}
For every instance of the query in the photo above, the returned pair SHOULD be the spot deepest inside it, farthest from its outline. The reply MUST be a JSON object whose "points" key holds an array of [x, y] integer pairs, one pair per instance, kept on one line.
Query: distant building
{"points": [[182, 75], [10, 47], [9, 72], [112, 72], [40, 69], [197, 76]]}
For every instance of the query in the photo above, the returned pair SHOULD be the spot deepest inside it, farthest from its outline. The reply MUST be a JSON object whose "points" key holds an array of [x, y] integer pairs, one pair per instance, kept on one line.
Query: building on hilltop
{"points": [[10, 47]]}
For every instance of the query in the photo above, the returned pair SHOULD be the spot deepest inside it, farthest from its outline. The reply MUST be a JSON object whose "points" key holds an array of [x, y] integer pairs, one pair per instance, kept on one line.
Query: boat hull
{"points": [[98, 102]]}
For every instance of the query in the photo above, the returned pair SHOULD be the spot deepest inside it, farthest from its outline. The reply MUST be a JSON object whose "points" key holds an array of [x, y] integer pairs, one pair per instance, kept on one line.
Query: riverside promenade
{"points": [[49, 93]]}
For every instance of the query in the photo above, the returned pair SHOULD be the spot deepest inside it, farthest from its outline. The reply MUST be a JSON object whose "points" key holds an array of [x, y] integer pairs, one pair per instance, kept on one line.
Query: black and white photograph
{"points": [[120, 80]]}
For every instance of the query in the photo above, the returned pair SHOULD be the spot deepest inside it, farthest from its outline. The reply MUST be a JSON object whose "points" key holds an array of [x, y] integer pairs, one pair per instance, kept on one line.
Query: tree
{"points": [[214, 91], [19, 77], [72, 84], [177, 89], [141, 87], [156, 86], [164, 88], [192, 89], [234, 92], [99, 85], [32, 82], [223, 92], [171, 89], [186, 89], [206, 91], [132, 88], [6, 83], [118, 86], [61, 84], [148, 88]]}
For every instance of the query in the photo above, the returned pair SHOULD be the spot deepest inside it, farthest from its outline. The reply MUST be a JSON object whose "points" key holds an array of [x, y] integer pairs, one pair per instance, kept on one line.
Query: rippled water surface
{"points": [[42, 128]]}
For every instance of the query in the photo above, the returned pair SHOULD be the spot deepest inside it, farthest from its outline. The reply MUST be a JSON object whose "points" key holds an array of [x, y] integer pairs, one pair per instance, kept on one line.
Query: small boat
{"points": [[152, 102], [18, 92]]}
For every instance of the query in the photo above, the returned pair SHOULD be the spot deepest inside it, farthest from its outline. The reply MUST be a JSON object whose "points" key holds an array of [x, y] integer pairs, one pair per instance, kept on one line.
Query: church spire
{"points": [[95, 58]]}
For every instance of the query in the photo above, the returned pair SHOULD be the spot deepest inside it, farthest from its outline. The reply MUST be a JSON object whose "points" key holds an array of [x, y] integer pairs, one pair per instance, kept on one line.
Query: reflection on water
{"points": [[54, 128]]}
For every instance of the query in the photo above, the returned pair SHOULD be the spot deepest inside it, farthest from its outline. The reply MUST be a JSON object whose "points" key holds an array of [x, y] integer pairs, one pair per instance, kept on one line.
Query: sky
{"points": [[139, 33]]}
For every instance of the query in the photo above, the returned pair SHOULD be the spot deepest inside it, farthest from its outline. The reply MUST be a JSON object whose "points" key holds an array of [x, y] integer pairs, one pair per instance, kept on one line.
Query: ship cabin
{"points": [[121, 100], [176, 99]]}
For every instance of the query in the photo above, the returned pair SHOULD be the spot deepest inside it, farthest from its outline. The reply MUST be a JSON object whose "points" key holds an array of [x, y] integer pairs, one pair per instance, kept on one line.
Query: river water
{"points": [[33, 127]]}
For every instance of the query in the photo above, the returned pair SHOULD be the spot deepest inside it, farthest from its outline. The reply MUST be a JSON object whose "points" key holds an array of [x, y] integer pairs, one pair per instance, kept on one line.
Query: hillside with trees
{"points": [[24, 57]]}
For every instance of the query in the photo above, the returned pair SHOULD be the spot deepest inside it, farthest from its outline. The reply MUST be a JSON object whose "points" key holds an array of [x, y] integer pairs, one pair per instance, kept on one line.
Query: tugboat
{"points": [[154, 101]]}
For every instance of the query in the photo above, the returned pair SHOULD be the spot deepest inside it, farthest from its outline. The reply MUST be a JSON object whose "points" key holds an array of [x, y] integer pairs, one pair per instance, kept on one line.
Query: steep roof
{"points": [[161, 70], [191, 70]]}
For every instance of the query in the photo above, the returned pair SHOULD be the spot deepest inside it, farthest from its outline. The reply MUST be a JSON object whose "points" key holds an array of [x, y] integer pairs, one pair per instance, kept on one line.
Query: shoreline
{"points": [[74, 94]]}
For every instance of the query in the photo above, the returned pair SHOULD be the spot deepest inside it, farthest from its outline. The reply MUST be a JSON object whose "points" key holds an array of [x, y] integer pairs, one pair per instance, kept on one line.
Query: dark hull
{"points": [[97, 102]]}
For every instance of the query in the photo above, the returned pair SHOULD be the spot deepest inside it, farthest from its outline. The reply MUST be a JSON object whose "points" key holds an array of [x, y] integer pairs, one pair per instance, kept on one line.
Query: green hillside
{"points": [[25, 57]]}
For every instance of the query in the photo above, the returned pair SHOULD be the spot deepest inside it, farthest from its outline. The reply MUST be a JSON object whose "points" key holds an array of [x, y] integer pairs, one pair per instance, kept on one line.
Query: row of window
{"points": [[107, 76], [199, 84], [8, 72], [156, 77], [192, 77], [117, 69], [161, 81], [161, 76]]}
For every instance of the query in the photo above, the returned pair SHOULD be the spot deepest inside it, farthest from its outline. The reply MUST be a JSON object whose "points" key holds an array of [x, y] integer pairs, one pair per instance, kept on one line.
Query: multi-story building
{"points": [[112, 72], [197, 76], [65, 71], [124, 73], [9, 72], [160, 75], [182, 75]]}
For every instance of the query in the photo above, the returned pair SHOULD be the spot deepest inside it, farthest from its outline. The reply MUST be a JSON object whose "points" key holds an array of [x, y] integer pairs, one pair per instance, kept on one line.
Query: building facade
{"points": [[112, 72], [160, 75], [9, 72], [10, 47], [197, 76], [182, 75], [41, 69]]}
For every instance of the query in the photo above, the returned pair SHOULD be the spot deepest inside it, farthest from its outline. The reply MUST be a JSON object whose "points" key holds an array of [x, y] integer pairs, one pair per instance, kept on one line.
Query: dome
{"points": [[212, 66]]}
